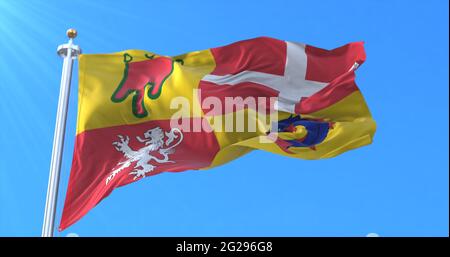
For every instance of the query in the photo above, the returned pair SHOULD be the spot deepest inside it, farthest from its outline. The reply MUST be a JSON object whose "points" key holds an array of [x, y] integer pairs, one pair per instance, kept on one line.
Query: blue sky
{"points": [[398, 186]]}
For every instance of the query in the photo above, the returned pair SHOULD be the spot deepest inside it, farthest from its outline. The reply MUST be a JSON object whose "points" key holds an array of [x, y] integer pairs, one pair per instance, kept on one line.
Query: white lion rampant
{"points": [[154, 141]]}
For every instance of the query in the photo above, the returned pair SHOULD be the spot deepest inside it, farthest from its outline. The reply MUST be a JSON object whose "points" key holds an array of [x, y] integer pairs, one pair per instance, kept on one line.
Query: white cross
{"points": [[291, 87]]}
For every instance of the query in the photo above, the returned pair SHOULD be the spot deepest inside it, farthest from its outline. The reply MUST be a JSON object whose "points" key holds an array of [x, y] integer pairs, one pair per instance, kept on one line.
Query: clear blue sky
{"points": [[398, 186]]}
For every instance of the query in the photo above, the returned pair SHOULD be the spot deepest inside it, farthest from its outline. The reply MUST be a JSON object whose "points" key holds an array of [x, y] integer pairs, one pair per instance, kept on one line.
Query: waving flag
{"points": [[133, 121]]}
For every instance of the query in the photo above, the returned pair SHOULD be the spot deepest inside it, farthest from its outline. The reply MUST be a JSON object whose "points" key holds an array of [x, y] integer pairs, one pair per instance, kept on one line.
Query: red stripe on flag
{"points": [[261, 54], [326, 65], [95, 157]]}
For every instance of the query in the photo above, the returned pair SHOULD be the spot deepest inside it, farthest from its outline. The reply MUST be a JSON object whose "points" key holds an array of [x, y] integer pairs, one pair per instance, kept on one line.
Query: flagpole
{"points": [[69, 52]]}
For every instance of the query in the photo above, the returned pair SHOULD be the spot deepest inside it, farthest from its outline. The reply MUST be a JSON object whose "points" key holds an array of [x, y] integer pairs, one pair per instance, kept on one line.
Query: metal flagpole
{"points": [[69, 52]]}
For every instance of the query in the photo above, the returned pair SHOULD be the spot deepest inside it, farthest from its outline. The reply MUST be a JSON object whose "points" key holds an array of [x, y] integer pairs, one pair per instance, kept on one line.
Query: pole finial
{"points": [[71, 33], [63, 49]]}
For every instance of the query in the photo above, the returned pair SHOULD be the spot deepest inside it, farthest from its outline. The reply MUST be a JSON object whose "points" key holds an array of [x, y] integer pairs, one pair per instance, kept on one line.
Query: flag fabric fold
{"points": [[140, 113]]}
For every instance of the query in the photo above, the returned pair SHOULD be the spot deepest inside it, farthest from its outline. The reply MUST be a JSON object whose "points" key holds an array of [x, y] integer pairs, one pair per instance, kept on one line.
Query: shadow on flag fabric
{"points": [[130, 123]]}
